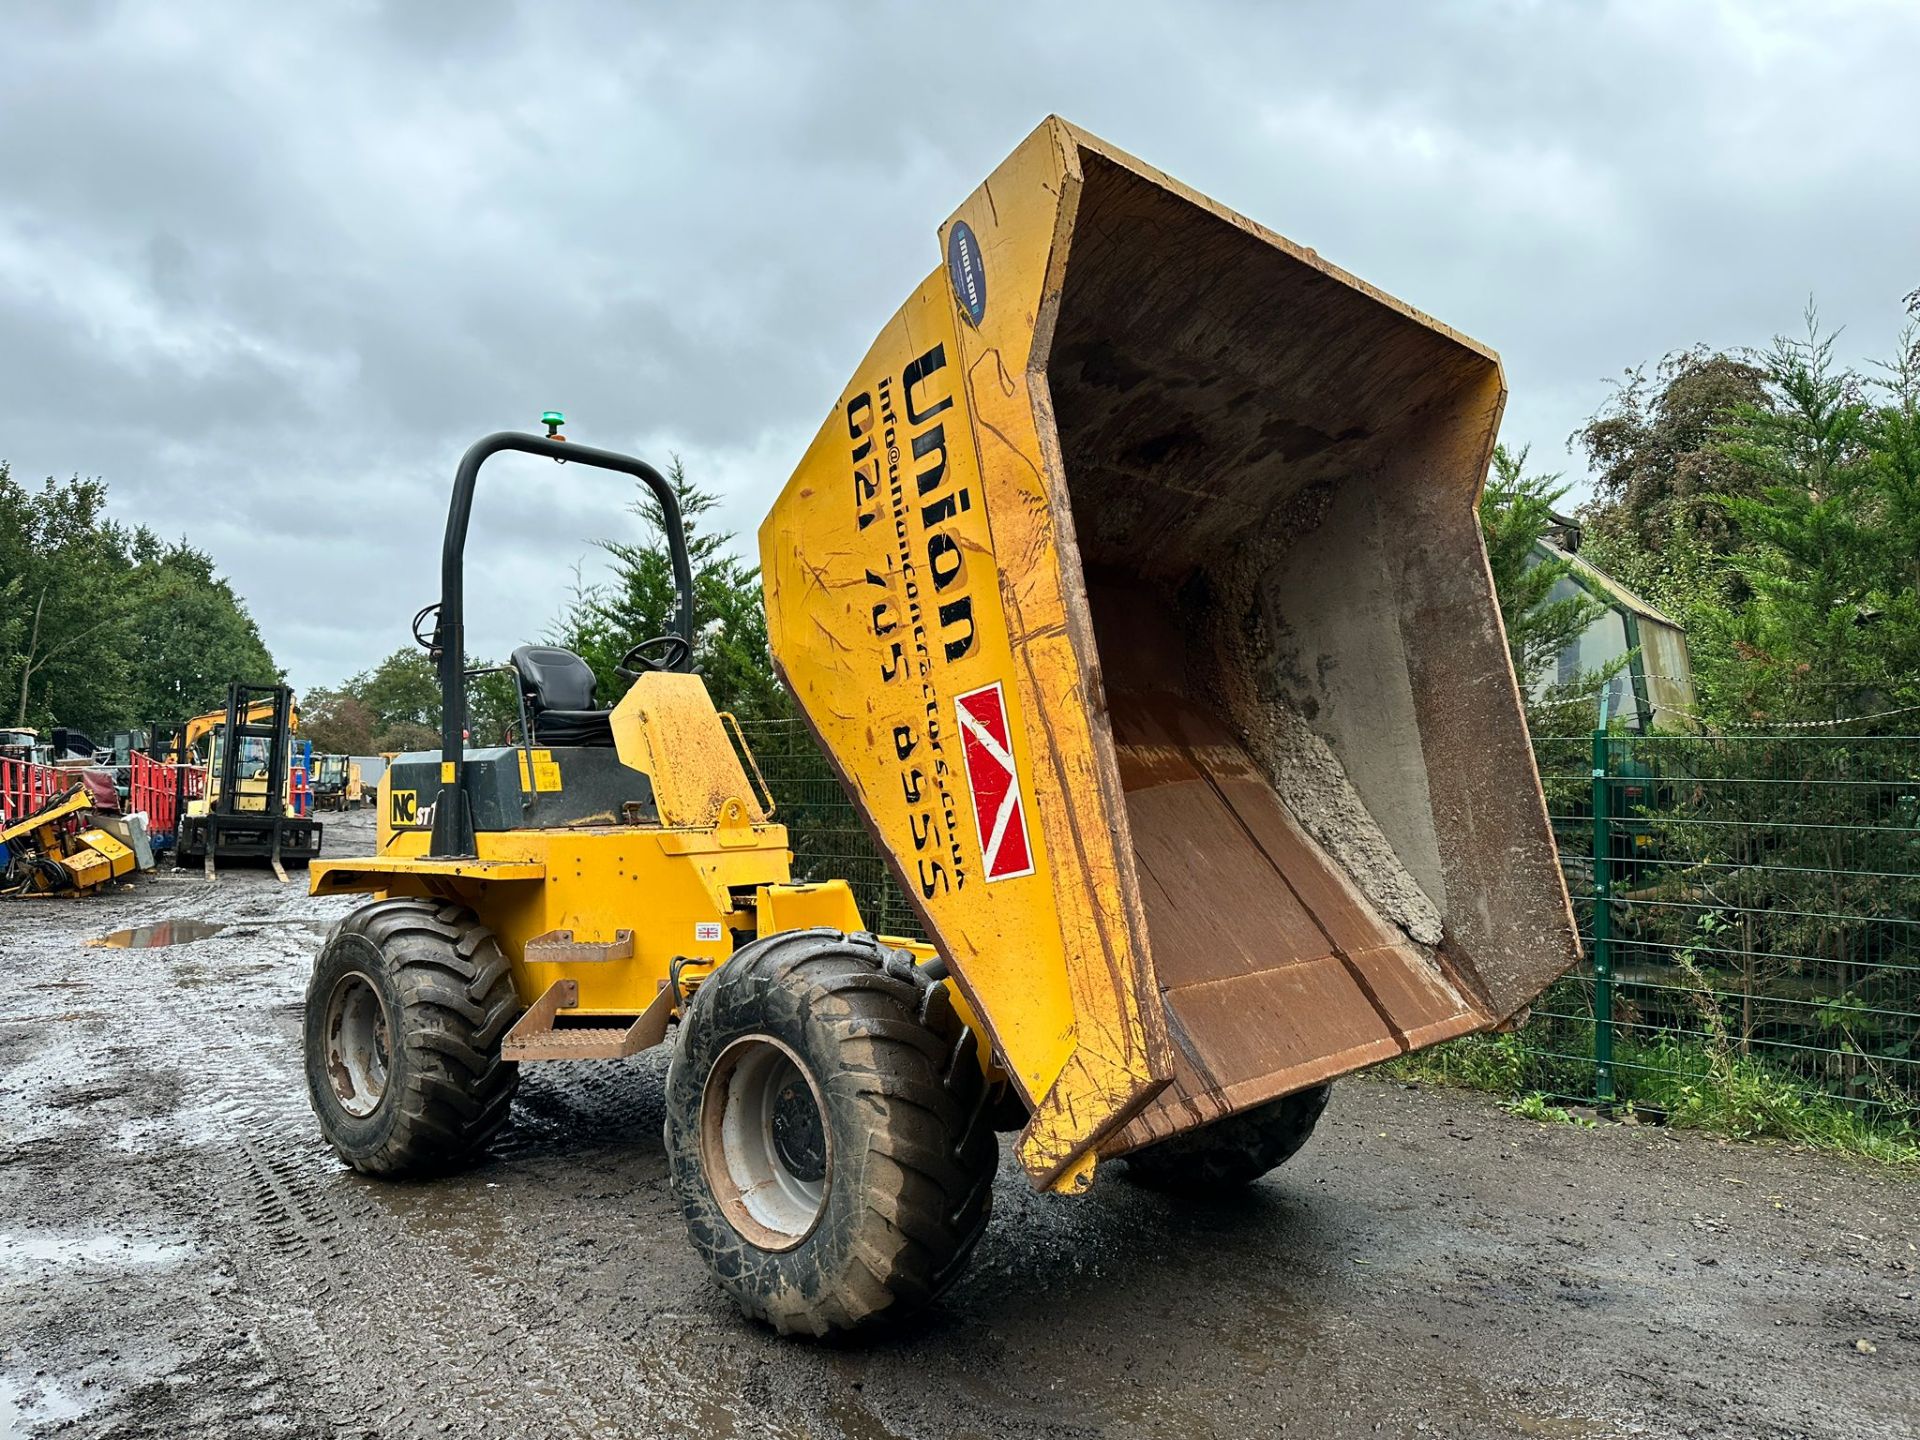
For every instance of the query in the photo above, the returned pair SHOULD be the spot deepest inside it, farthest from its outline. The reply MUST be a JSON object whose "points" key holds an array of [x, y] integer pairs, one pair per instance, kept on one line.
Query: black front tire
{"points": [[827, 1132], [1233, 1152], [189, 841], [405, 1013]]}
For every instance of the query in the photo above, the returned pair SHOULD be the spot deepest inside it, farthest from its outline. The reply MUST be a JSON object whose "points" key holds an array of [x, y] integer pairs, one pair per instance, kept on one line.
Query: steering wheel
{"points": [[428, 640], [663, 652]]}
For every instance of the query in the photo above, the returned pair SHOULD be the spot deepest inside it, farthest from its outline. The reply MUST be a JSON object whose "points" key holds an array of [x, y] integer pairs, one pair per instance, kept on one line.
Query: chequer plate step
{"points": [[535, 1035]]}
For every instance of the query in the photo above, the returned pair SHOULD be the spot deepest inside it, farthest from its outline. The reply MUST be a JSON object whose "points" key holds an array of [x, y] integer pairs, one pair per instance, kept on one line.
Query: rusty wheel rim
{"points": [[358, 1053], [764, 1142]]}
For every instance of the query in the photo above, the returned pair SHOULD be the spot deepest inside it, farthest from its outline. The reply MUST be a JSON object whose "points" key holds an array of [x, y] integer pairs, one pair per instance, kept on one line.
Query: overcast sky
{"points": [[267, 269]]}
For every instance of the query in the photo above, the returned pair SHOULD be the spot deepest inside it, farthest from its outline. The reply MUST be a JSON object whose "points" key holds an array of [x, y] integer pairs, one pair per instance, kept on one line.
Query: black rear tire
{"points": [[405, 1013], [1233, 1152], [827, 1132]]}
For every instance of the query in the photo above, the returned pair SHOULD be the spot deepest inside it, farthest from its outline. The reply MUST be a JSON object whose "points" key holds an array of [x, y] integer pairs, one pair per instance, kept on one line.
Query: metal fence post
{"points": [[1602, 923]]}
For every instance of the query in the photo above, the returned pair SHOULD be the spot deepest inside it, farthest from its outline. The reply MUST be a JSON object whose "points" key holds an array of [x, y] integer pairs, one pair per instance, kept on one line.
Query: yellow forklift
{"points": [[247, 809], [337, 783], [1135, 591]]}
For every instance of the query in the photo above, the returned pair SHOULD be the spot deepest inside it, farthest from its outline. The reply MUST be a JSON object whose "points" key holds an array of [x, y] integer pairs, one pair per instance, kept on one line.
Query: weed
{"points": [[1536, 1107], [1499, 1063], [1704, 1087]]}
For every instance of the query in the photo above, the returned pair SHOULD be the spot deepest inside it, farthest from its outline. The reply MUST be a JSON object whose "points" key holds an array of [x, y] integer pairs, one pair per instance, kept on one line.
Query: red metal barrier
{"points": [[155, 788], [25, 787]]}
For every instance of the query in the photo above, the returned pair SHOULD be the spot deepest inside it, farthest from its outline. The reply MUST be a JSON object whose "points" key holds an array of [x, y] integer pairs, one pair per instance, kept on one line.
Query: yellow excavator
{"points": [[197, 731], [1134, 589]]}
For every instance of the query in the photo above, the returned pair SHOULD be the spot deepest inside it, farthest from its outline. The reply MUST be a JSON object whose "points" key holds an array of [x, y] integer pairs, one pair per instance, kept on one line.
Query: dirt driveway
{"points": [[181, 1256]]}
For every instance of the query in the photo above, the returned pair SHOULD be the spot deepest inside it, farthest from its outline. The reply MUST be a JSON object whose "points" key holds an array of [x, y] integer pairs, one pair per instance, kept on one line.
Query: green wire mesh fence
{"points": [[829, 839], [1744, 899]]}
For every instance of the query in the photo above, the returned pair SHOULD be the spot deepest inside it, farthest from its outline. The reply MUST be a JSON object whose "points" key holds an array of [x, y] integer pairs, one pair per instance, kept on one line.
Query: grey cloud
{"points": [[256, 264]]}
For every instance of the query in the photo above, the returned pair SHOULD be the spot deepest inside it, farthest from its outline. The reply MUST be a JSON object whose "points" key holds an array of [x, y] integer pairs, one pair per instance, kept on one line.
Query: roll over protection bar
{"points": [[452, 815]]}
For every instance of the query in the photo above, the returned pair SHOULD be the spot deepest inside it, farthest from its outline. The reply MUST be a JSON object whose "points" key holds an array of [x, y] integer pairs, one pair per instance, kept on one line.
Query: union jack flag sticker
{"points": [[999, 813]]}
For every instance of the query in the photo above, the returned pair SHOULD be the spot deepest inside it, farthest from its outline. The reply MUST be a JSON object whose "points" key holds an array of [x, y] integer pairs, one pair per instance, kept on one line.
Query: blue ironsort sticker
{"points": [[967, 271]]}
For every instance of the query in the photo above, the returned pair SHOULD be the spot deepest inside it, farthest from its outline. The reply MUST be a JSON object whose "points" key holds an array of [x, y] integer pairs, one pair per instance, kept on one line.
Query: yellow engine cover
{"points": [[97, 858]]}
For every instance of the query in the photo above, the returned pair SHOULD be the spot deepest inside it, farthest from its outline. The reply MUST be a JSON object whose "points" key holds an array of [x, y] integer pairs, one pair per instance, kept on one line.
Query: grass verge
{"points": [[1692, 1085]]}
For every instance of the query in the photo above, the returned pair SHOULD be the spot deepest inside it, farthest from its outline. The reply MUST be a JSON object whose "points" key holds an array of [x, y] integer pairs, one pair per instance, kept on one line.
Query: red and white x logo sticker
{"points": [[999, 815]]}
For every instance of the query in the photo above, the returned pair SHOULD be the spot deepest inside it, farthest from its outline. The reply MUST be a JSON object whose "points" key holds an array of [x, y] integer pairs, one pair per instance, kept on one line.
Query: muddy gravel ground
{"points": [[180, 1255]]}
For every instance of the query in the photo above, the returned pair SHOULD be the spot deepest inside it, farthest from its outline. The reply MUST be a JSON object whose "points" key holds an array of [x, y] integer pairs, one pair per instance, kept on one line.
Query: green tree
{"points": [[1659, 471], [187, 636], [106, 627], [493, 705], [1833, 535], [338, 723], [13, 588], [1771, 505], [65, 565], [401, 695], [730, 624], [1677, 460]]}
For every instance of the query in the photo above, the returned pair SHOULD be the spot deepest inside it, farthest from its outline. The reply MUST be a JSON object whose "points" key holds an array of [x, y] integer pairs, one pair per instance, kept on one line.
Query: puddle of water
{"points": [[27, 1252], [153, 937], [184, 932], [18, 1416]]}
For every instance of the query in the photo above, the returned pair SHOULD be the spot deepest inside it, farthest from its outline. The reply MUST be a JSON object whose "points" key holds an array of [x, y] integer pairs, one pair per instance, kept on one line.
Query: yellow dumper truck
{"points": [[1134, 589]]}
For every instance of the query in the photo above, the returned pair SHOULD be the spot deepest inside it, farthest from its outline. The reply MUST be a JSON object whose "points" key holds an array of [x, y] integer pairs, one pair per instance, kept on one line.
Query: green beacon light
{"points": [[553, 420]]}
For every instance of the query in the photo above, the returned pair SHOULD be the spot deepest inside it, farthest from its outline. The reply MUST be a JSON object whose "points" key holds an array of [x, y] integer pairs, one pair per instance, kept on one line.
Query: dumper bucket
{"points": [[1135, 590]]}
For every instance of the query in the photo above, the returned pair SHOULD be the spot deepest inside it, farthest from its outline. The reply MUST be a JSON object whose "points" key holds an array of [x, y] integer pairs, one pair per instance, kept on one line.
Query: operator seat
{"points": [[558, 686]]}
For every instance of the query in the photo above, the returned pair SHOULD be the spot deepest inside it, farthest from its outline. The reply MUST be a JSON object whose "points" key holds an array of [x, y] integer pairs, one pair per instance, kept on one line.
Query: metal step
{"points": [[558, 947], [537, 1034], [571, 1044]]}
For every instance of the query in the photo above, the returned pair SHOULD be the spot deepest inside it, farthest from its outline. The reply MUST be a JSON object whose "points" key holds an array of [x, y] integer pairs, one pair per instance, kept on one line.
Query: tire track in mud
{"points": [[339, 1305], [416, 1334], [352, 1307], [231, 1390], [387, 1301], [197, 1025], [1468, 1271], [339, 1320], [333, 1289], [130, 1325]]}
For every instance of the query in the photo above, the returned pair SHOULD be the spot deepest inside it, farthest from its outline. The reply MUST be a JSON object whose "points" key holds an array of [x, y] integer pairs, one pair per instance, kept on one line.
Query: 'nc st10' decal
{"points": [[999, 813]]}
